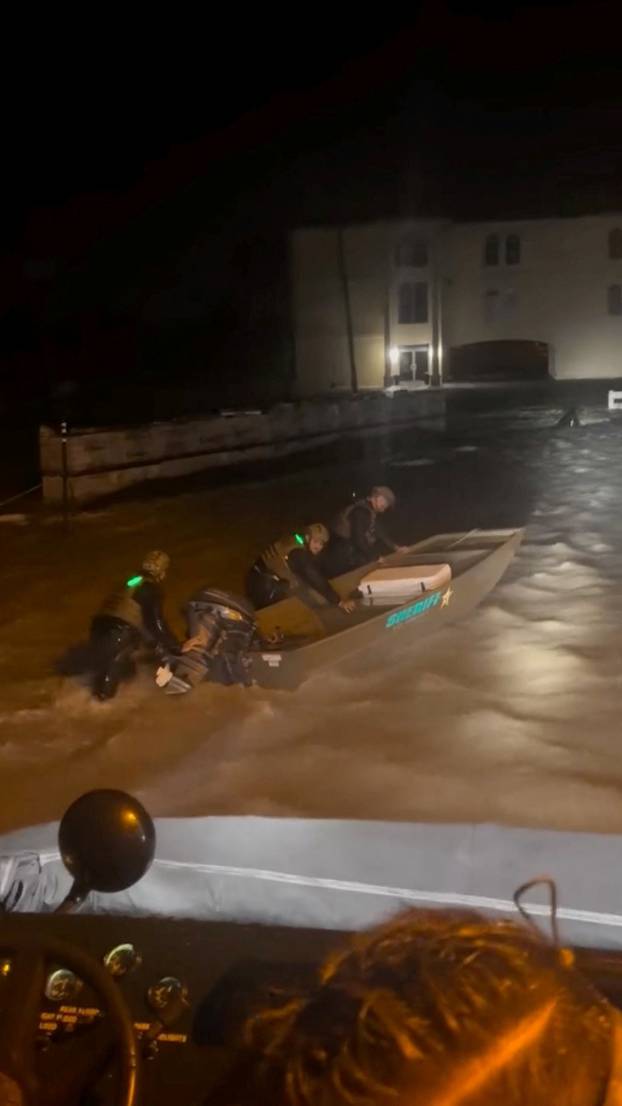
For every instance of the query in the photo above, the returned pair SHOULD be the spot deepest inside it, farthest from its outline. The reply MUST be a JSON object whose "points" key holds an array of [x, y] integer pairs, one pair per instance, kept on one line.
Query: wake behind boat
{"points": [[443, 579]]}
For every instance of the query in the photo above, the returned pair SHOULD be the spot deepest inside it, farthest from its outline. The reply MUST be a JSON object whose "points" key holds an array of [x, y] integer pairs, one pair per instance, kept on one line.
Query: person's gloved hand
{"points": [[163, 675]]}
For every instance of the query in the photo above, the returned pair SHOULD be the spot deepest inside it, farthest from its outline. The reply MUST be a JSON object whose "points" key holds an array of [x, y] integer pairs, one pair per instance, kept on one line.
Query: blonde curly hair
{"points": [[439, 1009]]}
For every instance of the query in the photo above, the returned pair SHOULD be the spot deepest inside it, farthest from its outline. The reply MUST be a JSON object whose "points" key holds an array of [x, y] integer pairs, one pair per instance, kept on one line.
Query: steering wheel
{"points": [[29, 1077]]}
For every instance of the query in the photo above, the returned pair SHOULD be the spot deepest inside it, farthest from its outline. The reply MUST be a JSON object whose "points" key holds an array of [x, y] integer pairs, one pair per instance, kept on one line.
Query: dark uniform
{"points": [[286, 568], [357, 538], [128, 617]]}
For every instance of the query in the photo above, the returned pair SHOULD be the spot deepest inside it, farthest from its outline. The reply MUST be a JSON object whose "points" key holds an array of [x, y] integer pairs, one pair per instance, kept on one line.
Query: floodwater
{"points": [[511, 716]]}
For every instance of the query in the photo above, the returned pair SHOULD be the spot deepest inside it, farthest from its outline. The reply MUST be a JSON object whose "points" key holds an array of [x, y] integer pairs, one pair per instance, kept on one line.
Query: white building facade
{"points": [[417, 291]]}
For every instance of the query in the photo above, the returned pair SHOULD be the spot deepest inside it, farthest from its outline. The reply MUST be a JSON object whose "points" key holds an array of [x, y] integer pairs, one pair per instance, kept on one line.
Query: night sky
{"points": [[171, 154]]}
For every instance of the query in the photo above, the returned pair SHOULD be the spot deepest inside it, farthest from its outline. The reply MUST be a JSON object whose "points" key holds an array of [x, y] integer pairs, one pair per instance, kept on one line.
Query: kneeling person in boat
{"points": [[291, 566], [358, 535]]}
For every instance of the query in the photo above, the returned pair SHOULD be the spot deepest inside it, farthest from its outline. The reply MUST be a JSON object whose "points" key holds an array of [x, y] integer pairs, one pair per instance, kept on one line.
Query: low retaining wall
{"points": [[102, 462]]}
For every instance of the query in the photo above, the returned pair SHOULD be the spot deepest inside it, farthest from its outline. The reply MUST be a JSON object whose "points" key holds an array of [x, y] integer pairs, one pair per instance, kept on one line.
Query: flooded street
{"points": [[511, 716]]}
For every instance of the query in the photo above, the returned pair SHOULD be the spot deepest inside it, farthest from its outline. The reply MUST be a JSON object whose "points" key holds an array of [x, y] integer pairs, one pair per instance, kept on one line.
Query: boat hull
{"points": [[412, 619]]}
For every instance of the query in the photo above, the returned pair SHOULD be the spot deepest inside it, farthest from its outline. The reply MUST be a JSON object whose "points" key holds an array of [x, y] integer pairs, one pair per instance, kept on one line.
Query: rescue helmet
{"points": [[156, 564]]}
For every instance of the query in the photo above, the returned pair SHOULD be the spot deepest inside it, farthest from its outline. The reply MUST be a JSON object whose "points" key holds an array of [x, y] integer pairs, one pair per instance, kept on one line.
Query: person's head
{"points": [[156, 563], [440, 1009], [316, 536], [381, 499]]}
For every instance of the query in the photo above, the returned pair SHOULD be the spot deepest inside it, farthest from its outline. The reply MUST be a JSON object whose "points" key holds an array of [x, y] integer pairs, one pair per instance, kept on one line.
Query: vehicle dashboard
{"points": [[225, 970]]}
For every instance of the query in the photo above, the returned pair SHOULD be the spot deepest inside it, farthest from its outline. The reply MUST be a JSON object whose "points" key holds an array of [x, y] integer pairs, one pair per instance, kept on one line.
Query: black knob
{"points": [[106, 841]]}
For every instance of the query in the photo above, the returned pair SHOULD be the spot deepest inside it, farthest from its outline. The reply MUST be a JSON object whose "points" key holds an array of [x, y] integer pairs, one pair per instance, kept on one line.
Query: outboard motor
{"points": [[221, 633]]}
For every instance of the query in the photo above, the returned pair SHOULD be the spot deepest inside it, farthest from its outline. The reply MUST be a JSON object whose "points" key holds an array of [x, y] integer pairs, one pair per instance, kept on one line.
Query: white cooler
{"points": [[409, 580]]}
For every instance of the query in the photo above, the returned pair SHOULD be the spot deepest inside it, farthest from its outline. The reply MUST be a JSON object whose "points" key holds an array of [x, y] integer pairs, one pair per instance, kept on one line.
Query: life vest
{"points": [[276, 559], [122, 604], [342, 525]]}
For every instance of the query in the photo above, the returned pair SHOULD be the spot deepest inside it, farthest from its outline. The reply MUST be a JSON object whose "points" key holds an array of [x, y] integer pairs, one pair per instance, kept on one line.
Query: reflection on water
{"points": [[512, 715]]}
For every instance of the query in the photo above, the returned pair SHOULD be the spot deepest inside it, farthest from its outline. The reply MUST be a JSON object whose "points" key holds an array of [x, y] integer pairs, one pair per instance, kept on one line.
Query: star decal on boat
{"points": [[446, 597]]}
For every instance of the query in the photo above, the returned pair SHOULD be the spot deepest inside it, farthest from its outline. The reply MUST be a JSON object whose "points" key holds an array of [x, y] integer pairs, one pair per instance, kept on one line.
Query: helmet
{"points": [[156, 564], [386, 493], [318, 531]]}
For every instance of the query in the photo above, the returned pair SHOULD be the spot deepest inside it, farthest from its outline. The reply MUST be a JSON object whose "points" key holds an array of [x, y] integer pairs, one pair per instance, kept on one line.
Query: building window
{"points": [[491, 250], [411, 253], [614, 299], [615, 243], [512, 250], [412, 303]]}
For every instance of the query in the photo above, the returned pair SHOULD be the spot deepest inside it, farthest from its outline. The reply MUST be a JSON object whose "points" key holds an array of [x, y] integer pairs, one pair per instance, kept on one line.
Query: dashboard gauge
{"points": [[166, 989], [62, 986], [122, 959]]}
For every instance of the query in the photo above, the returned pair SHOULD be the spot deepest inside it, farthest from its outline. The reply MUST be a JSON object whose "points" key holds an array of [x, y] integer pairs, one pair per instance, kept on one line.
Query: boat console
{"points": [[188, 987]]}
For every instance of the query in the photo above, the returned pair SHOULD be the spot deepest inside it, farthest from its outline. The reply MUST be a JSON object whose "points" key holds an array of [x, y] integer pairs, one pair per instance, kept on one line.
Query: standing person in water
{"points": [[358, 536], [292, 566], [130, 615]]}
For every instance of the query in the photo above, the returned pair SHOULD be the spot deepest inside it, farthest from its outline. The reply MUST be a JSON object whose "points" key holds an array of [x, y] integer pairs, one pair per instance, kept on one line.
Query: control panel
{"points": [[189, 987]]}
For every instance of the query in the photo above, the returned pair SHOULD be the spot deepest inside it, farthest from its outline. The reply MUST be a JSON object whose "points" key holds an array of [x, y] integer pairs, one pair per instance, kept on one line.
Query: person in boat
{"points": [[440, 1008], [357, 534], [292, 566], [222, 632], [130, 616]]}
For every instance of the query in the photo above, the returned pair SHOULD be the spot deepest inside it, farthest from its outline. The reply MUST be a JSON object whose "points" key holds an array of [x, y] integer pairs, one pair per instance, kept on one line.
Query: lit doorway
{"points": [[410, 365]]}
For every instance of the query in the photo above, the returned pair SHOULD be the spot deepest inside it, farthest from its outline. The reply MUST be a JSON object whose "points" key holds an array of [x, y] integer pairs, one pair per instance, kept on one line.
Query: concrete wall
{"points": [[102, 462], [557, 295]]}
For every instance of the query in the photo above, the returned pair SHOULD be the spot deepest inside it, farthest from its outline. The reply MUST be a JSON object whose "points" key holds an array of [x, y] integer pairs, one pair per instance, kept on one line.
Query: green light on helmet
{"points": [[134, 582], [299, 538]]}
